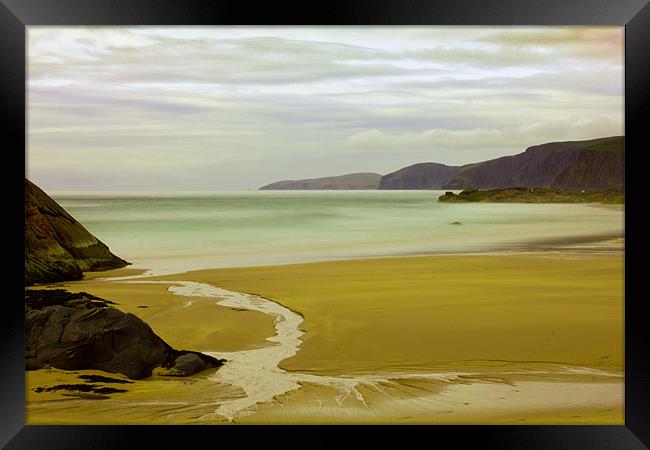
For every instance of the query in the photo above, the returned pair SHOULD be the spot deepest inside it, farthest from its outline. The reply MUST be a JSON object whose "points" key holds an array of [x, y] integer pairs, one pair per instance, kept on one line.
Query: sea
{"points": [[173, 232]]}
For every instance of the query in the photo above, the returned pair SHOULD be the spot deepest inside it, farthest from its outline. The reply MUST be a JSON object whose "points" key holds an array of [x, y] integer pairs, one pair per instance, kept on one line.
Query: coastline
{"points": [[418, 226], [612, 242], [371, 352]]}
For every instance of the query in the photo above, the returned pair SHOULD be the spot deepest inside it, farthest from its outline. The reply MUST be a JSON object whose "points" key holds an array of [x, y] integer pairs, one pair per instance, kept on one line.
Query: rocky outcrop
{"points": [[593, 164], [351, 181], [76, 331], [535, 195], [419, 176], [57, 247]]}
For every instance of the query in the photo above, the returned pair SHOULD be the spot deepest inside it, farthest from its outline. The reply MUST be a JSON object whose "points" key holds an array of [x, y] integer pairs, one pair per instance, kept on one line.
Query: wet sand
{"points": [[538, 336], [445, 311], [156, 400], [185, 323], [480, 402]]}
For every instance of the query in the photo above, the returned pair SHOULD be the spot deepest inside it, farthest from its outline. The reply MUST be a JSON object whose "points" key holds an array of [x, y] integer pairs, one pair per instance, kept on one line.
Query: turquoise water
{"points": [[182, 231]]}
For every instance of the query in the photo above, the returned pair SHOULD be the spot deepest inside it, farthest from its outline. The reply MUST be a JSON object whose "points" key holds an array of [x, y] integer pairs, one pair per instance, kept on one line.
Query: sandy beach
{"points": [[318, 225], [534, 337]]}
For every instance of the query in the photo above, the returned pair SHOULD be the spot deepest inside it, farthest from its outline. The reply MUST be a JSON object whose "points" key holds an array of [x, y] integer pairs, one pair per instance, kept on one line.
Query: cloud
{"points": [[505, 138], [145, 104], [548, 36]]}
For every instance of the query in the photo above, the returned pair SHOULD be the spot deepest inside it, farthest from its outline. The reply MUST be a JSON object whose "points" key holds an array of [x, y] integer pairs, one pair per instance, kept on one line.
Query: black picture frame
{"points": [[16, 15]]}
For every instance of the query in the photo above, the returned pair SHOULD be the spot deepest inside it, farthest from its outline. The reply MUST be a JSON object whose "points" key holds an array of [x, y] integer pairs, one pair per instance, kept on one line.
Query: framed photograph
{"points": [[365, 213]]}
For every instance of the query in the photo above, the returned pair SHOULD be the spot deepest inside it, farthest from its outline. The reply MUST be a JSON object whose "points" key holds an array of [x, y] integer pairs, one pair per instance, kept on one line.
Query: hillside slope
{"points": [[592, 164], [419, 176], [57, 247]]}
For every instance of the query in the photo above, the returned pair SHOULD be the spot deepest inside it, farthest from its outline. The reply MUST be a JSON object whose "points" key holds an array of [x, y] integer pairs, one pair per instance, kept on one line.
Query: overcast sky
{"points": [[207, 108]]}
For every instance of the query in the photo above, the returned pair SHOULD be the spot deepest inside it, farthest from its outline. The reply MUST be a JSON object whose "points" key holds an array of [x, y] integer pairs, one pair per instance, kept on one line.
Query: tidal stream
{"points": [[257, 372]]}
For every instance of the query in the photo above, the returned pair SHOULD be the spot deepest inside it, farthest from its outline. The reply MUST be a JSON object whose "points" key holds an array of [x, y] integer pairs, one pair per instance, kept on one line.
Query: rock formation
{"points": [[535, 195], [76, 331], [57, 247]]}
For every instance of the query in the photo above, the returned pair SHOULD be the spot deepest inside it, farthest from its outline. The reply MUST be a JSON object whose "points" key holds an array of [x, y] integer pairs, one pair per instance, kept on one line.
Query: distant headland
{"points": [[583, 165]]}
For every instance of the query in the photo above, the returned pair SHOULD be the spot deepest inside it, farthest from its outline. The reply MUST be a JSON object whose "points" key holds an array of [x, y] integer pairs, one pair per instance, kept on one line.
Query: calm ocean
{"points": [[171, 232]]}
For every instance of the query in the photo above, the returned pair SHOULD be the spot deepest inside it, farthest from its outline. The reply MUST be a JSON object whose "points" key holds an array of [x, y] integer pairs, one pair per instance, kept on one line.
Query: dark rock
{"points": [[84, 391], [87, 396], [108, 390], [187, 364], [102, 379], [456, 223], [57, 247], [40, 298], [80, 388], [82, 334], [93, 338], [537, 195], [447, 196]]}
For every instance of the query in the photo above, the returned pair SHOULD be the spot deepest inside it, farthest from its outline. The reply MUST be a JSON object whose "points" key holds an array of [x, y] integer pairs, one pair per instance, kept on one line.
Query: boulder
{"points": [[80, 333], [187, 364]]}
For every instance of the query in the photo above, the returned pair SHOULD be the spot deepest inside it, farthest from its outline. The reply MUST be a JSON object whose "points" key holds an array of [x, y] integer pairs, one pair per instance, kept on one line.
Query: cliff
{"points": [[57, 247], [592, 164], [351, 181], [419, 176]]}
